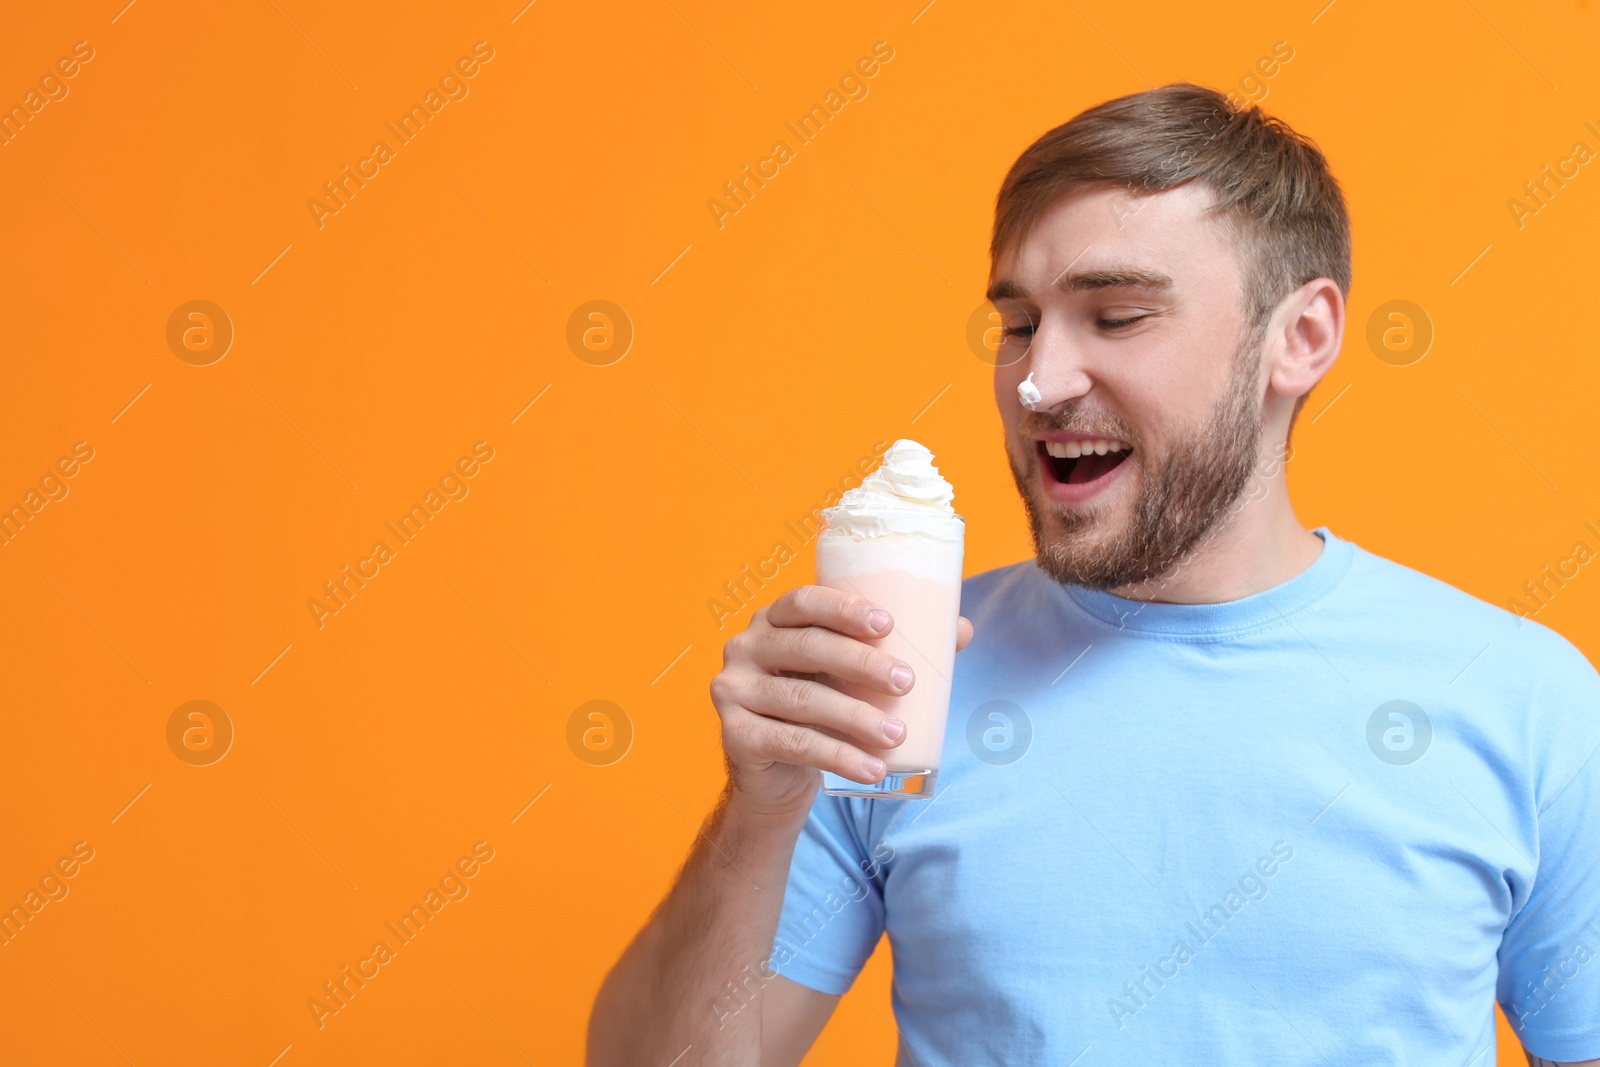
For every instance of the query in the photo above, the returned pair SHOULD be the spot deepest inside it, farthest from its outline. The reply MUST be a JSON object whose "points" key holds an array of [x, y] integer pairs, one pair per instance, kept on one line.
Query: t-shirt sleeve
{"points": [[832, 913], [1549, 984]]}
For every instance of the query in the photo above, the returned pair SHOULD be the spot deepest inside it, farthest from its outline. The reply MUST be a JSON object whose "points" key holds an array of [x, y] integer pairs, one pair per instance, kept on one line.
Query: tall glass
{"points": [[917, 579]]}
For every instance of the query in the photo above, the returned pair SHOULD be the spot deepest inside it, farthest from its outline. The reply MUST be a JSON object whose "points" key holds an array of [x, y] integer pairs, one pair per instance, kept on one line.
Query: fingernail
{"points": [[893, 728], [901, 677], [874, 766], [878, 620]]}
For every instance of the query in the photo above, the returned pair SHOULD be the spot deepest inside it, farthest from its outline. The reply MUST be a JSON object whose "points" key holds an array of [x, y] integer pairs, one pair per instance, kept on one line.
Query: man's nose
{"points": [[1058, 367]]}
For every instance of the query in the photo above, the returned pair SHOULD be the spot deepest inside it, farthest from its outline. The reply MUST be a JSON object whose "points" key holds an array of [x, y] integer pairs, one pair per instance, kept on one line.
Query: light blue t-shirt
{"points": [[1330, 823]]}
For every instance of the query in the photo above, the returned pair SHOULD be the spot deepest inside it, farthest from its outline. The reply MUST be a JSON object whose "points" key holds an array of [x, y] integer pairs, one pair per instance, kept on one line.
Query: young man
{"points": [[1284, 801]]}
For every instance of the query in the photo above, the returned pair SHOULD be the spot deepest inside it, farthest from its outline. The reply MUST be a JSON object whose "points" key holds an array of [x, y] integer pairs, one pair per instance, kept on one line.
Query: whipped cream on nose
{"points": [[905, 495], [1029, 393]]}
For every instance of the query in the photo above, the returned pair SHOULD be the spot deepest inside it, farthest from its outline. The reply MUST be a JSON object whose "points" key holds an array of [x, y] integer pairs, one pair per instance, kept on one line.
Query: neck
{"points": [[1259, 545]]}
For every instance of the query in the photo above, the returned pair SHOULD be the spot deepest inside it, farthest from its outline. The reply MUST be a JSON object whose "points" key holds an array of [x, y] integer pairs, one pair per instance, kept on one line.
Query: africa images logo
{"points": [[452, 87]]}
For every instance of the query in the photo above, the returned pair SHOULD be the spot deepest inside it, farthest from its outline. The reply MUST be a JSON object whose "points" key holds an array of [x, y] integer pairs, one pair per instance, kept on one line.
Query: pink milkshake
{"points": [[896, 541]]}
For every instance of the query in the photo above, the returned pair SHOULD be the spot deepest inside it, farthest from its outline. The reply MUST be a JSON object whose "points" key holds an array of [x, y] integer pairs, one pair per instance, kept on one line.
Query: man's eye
{"points": [[1120, 324], [1019, 331]]}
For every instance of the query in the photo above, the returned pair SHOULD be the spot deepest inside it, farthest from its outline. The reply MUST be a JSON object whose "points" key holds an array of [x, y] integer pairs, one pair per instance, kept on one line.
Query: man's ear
{"points": [[1310, 324]]}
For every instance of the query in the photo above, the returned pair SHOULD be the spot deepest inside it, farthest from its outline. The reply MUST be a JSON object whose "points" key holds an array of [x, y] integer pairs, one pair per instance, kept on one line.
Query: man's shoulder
{"points": [[996, 585], [1395, 586], [1403, 600]]}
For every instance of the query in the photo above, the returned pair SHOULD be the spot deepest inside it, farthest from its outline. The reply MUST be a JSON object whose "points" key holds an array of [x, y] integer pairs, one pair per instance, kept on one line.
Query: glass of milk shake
{"points": [[896, 541]]}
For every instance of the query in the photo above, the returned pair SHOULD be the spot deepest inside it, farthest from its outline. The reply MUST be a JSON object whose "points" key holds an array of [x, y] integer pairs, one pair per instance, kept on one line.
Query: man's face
{"points": [[1128, 314]]}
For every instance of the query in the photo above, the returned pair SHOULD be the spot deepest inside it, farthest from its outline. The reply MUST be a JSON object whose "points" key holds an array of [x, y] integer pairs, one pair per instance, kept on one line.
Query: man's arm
{"points": [[793, 1017], [696, 981], [697, 978]]}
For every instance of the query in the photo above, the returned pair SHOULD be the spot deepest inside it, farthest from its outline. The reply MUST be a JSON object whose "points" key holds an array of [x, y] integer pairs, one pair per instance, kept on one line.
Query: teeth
{"points": [[1074, 449]]}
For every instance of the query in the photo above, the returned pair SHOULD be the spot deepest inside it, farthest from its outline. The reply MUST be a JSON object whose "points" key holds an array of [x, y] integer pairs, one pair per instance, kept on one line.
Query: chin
{"points": [[1088, 550], [1087, 544]]}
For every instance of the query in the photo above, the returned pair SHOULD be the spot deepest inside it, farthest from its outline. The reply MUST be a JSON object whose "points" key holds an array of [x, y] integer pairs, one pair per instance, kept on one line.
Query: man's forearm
{"points": [[688, 975]]}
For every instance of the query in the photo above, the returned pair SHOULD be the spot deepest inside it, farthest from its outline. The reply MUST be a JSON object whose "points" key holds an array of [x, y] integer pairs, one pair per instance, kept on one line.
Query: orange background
{"points": [[769, 356]]}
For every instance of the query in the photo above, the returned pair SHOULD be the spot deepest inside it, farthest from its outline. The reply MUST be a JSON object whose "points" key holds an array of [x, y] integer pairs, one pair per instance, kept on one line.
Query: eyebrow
{"points": [[1089, 280]]}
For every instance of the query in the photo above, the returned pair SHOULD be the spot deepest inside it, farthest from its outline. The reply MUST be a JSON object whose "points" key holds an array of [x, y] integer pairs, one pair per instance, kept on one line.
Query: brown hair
{"points": [[1272, 186]]}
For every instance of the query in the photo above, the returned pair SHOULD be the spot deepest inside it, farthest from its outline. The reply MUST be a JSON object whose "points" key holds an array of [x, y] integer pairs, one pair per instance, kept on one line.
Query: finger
{"points": [[756, 738], [810, 703], [818, 605], [963, 632], [810, 649]]}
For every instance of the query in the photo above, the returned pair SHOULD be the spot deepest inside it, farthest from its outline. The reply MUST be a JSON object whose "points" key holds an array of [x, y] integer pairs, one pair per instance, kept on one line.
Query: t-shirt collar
{"points": [[1229, 617]]}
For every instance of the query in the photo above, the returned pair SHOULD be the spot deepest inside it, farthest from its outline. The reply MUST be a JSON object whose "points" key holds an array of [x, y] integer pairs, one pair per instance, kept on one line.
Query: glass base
{"points": [[896, 785]]}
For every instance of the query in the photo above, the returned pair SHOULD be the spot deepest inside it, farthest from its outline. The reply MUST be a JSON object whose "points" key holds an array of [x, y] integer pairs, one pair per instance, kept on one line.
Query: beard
{"points": [[1183, 494]]}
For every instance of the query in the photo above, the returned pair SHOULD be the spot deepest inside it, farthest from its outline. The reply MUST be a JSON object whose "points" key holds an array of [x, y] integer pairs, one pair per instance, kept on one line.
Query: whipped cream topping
{"points": [[1029, 393], [906, 494]]}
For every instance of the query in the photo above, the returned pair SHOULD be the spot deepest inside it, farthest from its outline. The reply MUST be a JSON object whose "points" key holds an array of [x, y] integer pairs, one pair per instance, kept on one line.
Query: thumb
{"points": [[963, 632]]}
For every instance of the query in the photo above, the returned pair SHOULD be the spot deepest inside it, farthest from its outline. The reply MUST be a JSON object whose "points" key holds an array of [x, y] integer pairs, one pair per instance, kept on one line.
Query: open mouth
{"points": [[1082, 461]]}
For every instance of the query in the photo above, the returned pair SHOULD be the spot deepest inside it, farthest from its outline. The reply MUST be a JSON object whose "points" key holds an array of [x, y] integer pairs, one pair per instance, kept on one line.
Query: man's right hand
{"points": [[779, 726], [769, 699]]}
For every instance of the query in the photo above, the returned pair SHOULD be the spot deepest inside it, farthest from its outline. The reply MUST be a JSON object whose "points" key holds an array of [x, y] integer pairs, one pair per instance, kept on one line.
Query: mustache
{"points": [[1077, 420]]}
